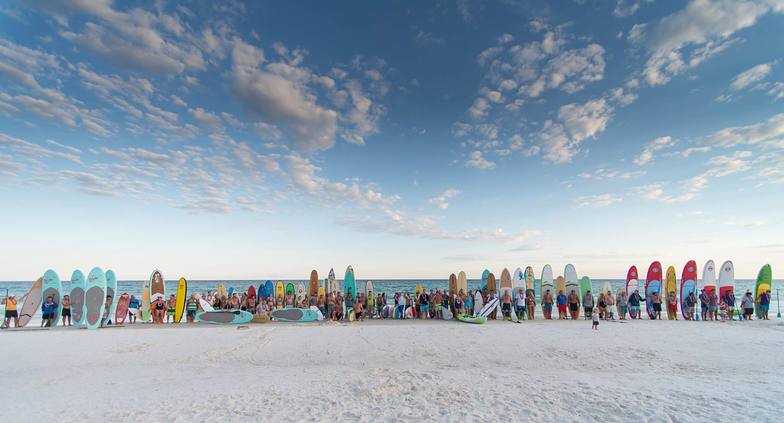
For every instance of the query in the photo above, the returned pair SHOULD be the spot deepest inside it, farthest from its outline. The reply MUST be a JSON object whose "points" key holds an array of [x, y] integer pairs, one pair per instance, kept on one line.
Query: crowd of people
{"points": [[433, 304]]}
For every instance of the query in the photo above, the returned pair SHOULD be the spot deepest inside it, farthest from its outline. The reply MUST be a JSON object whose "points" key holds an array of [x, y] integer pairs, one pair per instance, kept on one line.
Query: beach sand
{"points": [[384, 371]]}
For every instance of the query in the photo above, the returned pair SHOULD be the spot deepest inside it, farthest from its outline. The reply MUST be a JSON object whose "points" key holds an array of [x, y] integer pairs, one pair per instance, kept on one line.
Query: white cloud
{"points": [[626, 8], [206, 118], [653, 146], [610, 174], [750, 134], [585, 120], [751, 75], [442, 200], [598, 201], [475, 159], [691, 35], [35, 151]]}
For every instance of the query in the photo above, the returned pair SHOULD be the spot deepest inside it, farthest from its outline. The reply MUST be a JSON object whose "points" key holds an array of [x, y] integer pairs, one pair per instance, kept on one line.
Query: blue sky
{"points": [[409, 139]]}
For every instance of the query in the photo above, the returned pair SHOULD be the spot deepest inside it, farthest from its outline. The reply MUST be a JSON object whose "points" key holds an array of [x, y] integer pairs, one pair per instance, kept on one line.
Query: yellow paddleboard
{"points": [[560, 285], [179, 303], [280, 290]]}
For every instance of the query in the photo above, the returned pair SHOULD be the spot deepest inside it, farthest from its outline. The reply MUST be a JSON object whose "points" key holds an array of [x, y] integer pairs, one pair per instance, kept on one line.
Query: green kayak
{"points": [[478, 320]]}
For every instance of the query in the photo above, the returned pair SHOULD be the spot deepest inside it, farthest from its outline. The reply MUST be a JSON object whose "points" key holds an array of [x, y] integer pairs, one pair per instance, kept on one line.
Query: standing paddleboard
{"points": [[479, 302], [653, 285], [322, 289], [332, 286], [261, 293], [491, 286], [585, 286], [300, 293], [726, 279], [221, 292], [252, 292], [485, 275], [95, 297], [670, 285], [452, 285], [121, 310], [709, 278], [181, 299], [571, 283], [764, 283], [560, 285], [111, 290], [518, 281], [547, 281], [52, 287], [291, 289], [529, 278], [632, 283], [462, 283], [157, 286], [688, 283], [314, 284], [506, 287], [32, 303], [349, 284], [77, 297], [145, 307], [269, 289], [280, 292]]}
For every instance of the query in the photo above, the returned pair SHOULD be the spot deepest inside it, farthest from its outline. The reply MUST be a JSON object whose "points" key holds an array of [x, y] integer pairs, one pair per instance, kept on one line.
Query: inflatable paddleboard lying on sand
{"points": [[296, 315], [478, 320], [224, 317]]}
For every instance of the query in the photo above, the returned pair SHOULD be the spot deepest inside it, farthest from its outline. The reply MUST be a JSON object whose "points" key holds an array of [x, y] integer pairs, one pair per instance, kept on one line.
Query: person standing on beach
{"points": [[595, 319], [10, 312], [656, 306], [691, 306], [573, 301], [547, 305], [729, 299], [520, 304], [66, 313], [764, 304], [158, 308], [358, 309], [530, 302], [133, 309], [610, 311], [623, 304], [713, 305], [506, 306], [424, 305], [588, 304], [331, 306], [190, 309], [672, 306], [561, 303], [469, 302], [48, 309], [747, 304], [704, 300], [634, 304], [601, 304], [171, 304], [438, 304]]}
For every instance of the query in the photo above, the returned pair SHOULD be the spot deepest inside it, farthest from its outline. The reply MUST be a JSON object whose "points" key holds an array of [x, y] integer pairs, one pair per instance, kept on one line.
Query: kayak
{"points": [[478, 320]]}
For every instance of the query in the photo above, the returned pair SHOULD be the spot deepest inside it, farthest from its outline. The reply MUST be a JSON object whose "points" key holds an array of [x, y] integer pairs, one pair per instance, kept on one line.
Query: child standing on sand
{"points": [[595, 319]]}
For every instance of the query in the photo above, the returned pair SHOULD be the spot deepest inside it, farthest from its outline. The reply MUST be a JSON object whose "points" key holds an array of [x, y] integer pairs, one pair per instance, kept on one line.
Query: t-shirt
{"points": [[134, 303], [561, 299], [588, 300]]}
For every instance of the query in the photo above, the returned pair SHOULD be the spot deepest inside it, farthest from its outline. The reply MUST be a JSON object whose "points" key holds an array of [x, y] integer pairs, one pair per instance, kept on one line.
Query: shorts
{"points": [[595, 324], [574, 307], [170, 312], [519, 309], [191, 313], [764, 308], [11, 313], [562, 308], [548, 307], [656, 307], [624, 309], [330, 309], [66, 312], [634, 309], [439, 307], [713, 308], [424, 308], [506, 307], [748, 310], [46, 316], [588, 310], [703, 307]]}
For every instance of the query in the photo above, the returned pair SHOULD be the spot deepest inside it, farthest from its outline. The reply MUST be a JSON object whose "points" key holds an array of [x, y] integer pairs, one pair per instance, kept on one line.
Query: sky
{"points": [[231, 140]]}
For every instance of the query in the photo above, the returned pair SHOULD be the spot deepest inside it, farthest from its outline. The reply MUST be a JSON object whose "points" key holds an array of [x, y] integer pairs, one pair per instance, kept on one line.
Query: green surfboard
{"points": [[585, 286], [764, 283]]}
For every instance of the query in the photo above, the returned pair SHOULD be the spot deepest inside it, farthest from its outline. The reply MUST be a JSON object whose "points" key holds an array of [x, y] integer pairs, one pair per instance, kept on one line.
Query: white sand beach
{"points": [[383, 371]]}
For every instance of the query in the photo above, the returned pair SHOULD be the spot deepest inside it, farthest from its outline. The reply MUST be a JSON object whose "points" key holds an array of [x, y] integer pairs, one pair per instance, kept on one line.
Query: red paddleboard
{"points": [[653, 284], [122, 309], [251, 291], [632, 284], [688, 283]]}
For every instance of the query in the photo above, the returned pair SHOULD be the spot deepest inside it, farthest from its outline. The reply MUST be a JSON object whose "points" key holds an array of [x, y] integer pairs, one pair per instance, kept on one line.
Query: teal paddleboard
{"points": [[52, 287], [77, 297], [111, 290], [95, 297], [349, 284], [224, 317]]}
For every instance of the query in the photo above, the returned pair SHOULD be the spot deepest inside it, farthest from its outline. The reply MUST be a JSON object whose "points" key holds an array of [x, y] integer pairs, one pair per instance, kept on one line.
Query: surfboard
{"points": [[295, 315], [269, 289], [224, 317], [322, 288], [653, 285], [518, 281], [670, 285], [280, 292], [157, 286], [31, 304], [95, 297], [505, 287], [252, 292], [478, 320], [547, 281], [77, 297], [570, 281], [221, 292], [452, 285], [291, 289], [485, 275], [52, 286], [688, 283], [300, 293], [369, 291], [726, 279], [261, 292], [585, 286], [491, 285], [181, 299], [764, 283], [709, 278], [462, 283], [111, 290], [332, 285], [121, 310], [632, 283], [478, 302], [349, 284], [560, 285], [489, 307], [145, 305], [529, 278], [205, 306], [314, 284]]}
